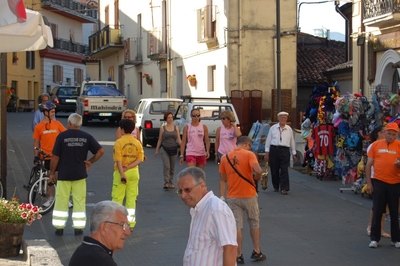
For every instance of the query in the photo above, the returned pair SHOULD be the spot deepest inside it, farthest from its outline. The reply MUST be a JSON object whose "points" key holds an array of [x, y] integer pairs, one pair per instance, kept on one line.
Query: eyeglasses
{"points": [[122, 224], [128, 117], [187, 190], [198, 115]]}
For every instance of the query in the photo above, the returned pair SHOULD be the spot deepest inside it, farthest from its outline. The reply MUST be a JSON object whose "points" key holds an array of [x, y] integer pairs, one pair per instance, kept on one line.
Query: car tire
{"points": [[85, 120], [144, 140]]}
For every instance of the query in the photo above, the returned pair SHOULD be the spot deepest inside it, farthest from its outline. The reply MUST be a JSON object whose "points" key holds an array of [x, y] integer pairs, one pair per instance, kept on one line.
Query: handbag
{"points": [[237, 172], [170, 150]]}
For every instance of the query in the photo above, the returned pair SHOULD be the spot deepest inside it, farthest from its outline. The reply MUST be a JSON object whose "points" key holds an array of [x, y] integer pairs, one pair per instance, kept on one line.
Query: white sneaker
{"points": [[48, 202], [70, 204], [396, 244], [373, 244]]}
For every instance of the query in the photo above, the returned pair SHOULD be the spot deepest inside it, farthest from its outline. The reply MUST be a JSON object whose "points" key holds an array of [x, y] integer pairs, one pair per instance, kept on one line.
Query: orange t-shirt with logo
{"points": [[47, 133], [384, 155], [243, 160]]}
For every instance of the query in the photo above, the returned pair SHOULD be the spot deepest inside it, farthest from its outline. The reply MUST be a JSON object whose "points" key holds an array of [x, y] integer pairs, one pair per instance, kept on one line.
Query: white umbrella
{"points": [[22, 29]]}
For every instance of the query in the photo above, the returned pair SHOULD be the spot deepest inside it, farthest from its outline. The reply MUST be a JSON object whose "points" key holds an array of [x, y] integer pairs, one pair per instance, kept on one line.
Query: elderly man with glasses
{"points": [[109, 228], [212, 237]]}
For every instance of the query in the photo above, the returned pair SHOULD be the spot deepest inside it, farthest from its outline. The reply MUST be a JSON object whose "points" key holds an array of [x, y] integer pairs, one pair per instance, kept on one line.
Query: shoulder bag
{"points": [[237, 172], [170, 150]]}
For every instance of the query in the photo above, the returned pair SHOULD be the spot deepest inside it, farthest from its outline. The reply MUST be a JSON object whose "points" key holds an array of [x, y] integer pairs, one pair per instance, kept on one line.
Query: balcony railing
{"points": [[72, 9], [73, 47], [381, 13], [133, 51], [156, 44], [105, 42]]}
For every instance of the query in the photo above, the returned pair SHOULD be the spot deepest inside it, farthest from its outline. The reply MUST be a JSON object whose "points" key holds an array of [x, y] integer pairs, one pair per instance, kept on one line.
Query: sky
{"points": [[317, 16]]}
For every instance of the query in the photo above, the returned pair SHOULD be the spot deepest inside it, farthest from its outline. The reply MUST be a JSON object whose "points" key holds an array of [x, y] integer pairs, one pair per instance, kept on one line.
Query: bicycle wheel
{"points": [[39, 195], [35, 174]]}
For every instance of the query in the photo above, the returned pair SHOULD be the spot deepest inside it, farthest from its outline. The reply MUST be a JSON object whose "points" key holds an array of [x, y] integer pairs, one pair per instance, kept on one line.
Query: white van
{"points": [[150, 116]]}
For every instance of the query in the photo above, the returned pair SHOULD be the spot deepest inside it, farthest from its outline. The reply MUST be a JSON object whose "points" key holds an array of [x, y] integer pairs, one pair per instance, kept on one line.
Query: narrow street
{"points": [[314, 225]]}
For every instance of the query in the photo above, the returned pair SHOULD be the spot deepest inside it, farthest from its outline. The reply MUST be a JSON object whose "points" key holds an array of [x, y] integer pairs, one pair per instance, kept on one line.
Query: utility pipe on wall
{"points": [[278, 53], [240, 45]]}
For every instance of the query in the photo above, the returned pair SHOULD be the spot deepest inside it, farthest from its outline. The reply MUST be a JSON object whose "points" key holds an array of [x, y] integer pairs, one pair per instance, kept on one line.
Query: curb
{"points": [[40, 252], [35, 252]]}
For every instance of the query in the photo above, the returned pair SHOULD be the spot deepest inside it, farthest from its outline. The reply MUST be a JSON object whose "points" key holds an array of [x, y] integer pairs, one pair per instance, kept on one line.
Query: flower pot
{"points": [[192, 82], [149, 81], [10, 239]]}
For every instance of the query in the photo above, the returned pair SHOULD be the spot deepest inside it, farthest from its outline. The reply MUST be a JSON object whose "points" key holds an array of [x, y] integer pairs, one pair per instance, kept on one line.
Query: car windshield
{"points": [[67, 91]]}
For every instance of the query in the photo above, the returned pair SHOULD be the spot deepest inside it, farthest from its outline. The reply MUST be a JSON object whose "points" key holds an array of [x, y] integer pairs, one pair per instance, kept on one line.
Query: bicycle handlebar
{"points": [[45, 155]]}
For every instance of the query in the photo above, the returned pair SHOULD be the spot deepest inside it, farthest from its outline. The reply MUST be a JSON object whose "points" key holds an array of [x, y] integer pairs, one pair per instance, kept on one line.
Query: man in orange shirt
{"points": [[44, 137], [384, 156], [236, 171]]}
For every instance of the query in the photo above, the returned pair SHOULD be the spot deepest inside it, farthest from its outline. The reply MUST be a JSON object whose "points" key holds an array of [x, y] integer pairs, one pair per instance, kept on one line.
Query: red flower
{"points": [[146, 76], [24, 215], [35, 209], [29, 206], [191, 77]]}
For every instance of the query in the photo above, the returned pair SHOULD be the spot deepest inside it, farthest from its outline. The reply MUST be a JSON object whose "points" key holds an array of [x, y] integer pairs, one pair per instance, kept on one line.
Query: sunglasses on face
{"points": [[196, 115], [128, 117]]}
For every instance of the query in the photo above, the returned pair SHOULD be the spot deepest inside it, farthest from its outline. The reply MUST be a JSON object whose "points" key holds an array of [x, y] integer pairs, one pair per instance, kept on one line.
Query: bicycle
{"points": [[38, 187]]}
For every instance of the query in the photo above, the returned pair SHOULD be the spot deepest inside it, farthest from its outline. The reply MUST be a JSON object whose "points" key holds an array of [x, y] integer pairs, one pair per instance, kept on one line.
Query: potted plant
{"points": [[13, 217], [149, 80], [15, 59], [192, 80], [10, 95]]}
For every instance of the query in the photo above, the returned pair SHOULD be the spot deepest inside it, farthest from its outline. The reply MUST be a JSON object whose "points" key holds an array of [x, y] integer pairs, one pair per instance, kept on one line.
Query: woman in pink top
{"points": [[226, 135], [194, 136], [129, 114]]}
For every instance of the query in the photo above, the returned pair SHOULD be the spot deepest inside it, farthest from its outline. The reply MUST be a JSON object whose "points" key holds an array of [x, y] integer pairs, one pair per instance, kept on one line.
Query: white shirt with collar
{"points": [[278, 136], [212, 227]]}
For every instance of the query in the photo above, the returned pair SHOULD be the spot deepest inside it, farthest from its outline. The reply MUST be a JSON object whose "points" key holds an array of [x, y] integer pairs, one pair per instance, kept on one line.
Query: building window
{"points": [[30, 60], [54, 30], [140, 92], [107, 15], [206, 24], [78, 76], [111, 73], [212, 73], [57, 74], [116, 14]]}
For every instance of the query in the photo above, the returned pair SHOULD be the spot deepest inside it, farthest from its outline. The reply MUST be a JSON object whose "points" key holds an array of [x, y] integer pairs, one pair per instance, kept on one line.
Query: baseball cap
{"points": [[392, 126]]}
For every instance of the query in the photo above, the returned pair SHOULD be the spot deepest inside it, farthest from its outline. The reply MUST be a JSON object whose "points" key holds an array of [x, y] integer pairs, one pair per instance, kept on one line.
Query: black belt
{"points": [[280, 147]]}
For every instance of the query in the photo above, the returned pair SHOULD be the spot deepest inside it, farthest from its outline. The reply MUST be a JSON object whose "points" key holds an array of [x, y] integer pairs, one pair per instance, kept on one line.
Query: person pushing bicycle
{"points": [[44, 137]]}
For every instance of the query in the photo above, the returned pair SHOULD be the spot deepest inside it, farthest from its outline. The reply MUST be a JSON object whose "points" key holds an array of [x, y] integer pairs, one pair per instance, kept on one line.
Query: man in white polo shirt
{"points": [[212, 237]]}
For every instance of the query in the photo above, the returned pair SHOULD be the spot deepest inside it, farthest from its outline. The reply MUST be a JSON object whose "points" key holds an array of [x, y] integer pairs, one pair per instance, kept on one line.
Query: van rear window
{"points": [[159, 108]]}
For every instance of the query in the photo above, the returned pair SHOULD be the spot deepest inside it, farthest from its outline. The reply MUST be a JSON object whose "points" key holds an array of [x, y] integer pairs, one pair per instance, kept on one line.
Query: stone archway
{"points": [[385, 69]]}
